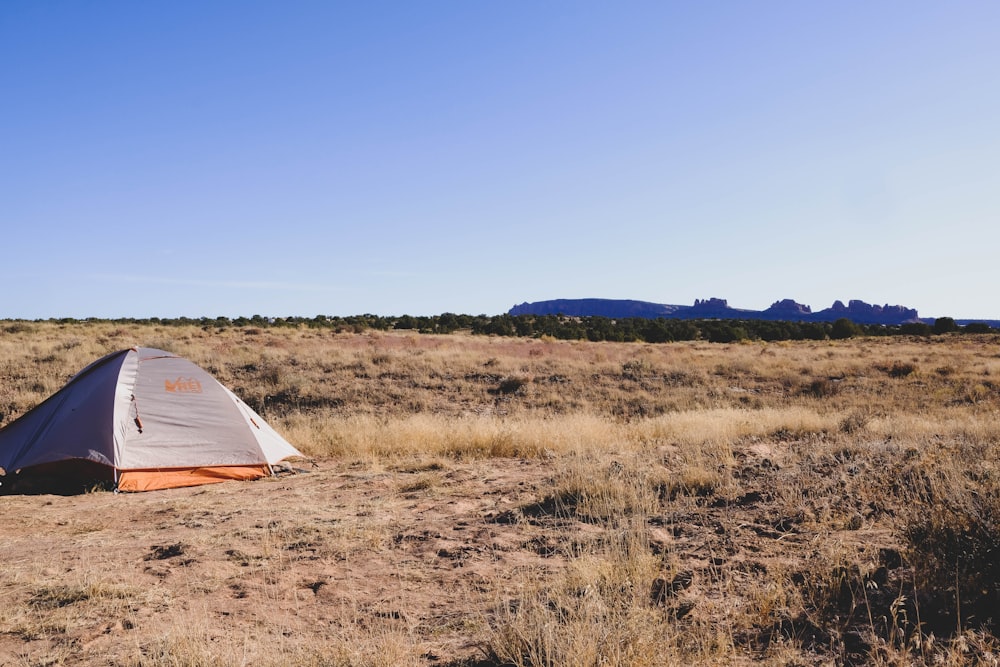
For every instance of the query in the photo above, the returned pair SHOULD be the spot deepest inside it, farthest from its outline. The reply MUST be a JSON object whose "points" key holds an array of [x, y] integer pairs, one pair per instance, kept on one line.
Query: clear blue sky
{"points": [[300, 158]]}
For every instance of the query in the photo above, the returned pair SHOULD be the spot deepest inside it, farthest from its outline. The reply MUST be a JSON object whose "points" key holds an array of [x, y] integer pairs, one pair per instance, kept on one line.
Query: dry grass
{"points": [[533, 502]]}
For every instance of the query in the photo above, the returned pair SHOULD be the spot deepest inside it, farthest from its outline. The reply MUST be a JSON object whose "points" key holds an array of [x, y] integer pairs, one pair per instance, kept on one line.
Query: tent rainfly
{"points": [[144, 419]]}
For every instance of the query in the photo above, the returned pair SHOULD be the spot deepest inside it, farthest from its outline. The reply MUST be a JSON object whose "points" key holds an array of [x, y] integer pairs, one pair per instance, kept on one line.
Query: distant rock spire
{"points": [[716, 308]]}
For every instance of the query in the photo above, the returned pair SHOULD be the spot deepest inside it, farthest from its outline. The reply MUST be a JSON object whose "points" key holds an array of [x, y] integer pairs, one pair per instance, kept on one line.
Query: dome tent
{"points": [[144, 419]]}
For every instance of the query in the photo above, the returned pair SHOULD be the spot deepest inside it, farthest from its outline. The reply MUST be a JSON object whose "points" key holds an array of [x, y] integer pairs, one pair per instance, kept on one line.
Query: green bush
{"points": [[915, 329], [943, 325], [844, 328], [977, 328]]}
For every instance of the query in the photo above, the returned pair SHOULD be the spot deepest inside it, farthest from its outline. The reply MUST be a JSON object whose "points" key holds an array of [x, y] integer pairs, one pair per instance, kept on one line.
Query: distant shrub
{"points": [[901, 369], [977, 328], [844, 328], [722, 331], [915, 329], [943, 325], [512, 385], [636, 369], [821, 388], [19, 327]]}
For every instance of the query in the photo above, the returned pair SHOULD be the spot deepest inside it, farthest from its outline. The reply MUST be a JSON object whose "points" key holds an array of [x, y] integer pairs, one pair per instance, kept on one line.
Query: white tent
{"points": [[146, 419]]}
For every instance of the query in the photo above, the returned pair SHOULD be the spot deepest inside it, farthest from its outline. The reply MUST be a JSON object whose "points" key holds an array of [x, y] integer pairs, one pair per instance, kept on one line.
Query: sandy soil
{"points": [[290, 559], [344, 554]]}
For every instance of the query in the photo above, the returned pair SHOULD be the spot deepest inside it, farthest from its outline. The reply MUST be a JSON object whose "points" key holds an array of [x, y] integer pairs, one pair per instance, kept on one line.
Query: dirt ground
{"points": [[290, 559], [413, 557]]}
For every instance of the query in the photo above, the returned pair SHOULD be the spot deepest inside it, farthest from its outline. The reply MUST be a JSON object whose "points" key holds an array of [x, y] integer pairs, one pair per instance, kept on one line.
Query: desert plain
{"points": [[483, 501]]}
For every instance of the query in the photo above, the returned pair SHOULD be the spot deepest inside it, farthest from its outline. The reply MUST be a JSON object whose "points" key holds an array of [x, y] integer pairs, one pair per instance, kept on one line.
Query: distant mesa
{"points": [[785, 310], [790, 309], [596, 308]]}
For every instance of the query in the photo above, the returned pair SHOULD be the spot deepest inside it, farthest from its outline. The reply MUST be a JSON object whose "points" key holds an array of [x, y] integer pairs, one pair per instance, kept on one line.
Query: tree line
{"points": [[560, 327]]}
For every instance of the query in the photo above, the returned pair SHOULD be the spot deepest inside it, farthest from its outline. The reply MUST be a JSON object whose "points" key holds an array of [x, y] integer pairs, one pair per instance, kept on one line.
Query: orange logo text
{"points": [[183, 385]]}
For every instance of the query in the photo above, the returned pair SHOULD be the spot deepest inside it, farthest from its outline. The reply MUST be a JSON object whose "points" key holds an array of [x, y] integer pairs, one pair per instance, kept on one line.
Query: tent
{"points": [[143, 419]]}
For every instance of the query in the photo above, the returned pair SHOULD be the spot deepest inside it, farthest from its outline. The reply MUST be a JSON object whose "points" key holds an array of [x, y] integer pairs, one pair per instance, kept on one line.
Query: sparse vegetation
{"points": [[493, 500], [551, 327]]}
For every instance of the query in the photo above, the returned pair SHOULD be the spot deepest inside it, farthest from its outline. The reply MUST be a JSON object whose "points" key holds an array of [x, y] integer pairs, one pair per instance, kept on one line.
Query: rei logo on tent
{"points": [[183, 386]]}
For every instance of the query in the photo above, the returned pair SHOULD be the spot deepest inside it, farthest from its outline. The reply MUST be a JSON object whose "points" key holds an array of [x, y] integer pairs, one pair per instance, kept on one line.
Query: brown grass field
{"points": [[484, 501]]}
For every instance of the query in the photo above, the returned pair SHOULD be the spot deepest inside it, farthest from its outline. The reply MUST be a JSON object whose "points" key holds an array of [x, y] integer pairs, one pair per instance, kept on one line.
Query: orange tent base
{"points": [[171, 478]]}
